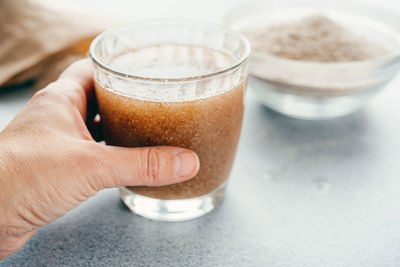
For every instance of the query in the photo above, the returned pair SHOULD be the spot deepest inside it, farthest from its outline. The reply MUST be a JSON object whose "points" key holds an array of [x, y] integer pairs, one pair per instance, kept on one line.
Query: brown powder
{"points": [[314, 38]]}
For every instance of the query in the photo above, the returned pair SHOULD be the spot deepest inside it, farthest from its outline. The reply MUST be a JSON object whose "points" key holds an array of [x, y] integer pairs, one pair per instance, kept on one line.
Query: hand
{"points": [[50, 162]]}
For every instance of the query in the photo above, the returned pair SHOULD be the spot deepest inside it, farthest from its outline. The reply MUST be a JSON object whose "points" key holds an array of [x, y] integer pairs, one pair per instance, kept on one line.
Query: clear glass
{"points": [[202, 112], [313, 90]]}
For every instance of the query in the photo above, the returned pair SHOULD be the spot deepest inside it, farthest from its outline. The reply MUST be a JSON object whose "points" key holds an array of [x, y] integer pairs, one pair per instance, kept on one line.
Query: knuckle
{"points": [[72, 90], [152, 165], [68, 83], [63, 89], [46, 94], [12, 231]]}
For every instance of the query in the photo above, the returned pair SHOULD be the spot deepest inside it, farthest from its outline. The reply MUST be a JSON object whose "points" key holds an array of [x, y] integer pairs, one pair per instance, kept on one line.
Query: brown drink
{"points": [[209, 124], [185, 89]]}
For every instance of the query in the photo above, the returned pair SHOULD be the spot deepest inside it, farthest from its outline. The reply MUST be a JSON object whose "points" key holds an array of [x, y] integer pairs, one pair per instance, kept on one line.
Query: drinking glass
{"points": [[201, 111]]}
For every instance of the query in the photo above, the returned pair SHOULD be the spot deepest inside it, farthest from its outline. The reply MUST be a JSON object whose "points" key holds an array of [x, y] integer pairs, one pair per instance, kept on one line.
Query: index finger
{"points": [[81, 71], [76, 82]]}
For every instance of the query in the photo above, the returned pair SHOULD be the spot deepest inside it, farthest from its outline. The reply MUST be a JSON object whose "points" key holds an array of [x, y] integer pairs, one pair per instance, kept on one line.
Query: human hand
{"points": [[50, 162]]}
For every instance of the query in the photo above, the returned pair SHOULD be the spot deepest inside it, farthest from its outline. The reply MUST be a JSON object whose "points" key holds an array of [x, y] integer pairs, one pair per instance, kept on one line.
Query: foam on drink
{"points": [[171, 61], [168, 62]]}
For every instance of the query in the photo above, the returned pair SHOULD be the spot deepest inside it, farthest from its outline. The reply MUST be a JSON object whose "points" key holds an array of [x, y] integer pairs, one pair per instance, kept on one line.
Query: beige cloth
{"points": [[39, 38]]}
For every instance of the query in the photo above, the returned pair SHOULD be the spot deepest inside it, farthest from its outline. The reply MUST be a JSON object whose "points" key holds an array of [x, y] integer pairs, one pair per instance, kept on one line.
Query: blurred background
{"points": [[206, 9], [41, 37]]}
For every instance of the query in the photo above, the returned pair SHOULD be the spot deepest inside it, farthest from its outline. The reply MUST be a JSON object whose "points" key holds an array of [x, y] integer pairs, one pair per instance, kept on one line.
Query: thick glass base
{"points": [[172, 210]]}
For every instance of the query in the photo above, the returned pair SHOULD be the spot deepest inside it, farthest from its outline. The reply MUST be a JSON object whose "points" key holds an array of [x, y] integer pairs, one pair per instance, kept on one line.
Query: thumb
{"points": [[150, 166]]}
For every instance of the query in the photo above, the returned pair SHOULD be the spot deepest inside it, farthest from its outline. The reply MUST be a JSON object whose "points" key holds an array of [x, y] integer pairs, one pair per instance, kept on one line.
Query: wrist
{"points": [[5, 220], [14, 230], [11, 224]]}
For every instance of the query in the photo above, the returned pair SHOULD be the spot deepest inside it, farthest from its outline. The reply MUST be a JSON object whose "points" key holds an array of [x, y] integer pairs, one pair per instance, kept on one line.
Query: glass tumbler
{"points": [[201, 111]]}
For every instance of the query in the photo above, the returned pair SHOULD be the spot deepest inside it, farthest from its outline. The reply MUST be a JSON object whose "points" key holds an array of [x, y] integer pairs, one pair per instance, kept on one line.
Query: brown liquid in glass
{"points": [[210, 126]]}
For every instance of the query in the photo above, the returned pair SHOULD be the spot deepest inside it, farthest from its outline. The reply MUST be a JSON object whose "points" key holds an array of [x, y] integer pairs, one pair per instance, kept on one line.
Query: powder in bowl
{"points": [[314, 38]]}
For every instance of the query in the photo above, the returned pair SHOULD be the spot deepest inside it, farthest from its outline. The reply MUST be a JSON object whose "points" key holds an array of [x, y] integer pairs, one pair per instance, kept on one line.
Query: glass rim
{"points": [[238, 62]]}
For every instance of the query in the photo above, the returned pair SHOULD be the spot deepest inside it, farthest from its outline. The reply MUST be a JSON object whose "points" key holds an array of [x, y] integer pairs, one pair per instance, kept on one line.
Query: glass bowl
{"points": [[318, 90]]}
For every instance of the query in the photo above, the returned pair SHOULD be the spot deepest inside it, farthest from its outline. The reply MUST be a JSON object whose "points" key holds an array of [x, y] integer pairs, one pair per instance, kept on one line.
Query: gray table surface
{"points": [[302, 193]]}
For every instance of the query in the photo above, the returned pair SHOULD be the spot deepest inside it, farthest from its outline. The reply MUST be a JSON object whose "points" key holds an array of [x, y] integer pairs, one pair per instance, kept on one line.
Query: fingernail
{"points": [[185, 163]]}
